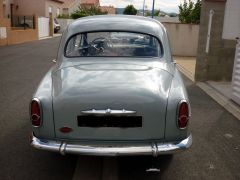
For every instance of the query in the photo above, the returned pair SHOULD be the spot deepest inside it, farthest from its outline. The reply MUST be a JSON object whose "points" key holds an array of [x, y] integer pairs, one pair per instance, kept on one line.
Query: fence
{"points": [[43, 27], [12, 33], [23, 22]]}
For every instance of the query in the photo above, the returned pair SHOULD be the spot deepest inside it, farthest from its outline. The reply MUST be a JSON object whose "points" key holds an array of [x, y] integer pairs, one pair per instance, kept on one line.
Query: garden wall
{"points": [[183, 38]]}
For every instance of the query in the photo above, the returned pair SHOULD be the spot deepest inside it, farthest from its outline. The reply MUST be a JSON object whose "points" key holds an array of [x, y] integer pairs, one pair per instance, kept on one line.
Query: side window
{"points": [[74, 44]]}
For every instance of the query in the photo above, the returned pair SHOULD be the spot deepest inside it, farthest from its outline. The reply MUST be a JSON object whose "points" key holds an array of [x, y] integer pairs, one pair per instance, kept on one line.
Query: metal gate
{"points": [[236, 76], [43, 27]]}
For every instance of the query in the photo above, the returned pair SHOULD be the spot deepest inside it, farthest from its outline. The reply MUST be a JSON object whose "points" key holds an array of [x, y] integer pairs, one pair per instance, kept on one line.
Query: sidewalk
{"points": [[49, 37], [219, 91], [186, 65]]}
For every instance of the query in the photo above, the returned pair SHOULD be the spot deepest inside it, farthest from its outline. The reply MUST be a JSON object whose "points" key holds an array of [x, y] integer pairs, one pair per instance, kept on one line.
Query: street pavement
{"points": [[215, 153]]}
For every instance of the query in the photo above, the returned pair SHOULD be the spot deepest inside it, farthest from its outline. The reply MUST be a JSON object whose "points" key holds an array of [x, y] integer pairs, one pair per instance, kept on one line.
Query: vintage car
{"points": [[114, 91]]}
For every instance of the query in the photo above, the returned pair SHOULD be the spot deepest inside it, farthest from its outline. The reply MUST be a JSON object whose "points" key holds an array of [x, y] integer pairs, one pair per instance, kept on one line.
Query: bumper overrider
{"points": [[153, 149]]}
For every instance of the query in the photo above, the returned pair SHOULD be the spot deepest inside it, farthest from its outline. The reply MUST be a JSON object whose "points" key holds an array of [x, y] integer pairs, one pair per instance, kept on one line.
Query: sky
{"points": [[163, 5]]}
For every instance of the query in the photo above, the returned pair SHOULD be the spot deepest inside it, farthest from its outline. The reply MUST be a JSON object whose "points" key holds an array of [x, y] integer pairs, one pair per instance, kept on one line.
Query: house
{"points": [[231, 31], [10, 34], [219, 46], [70, 6], [21, 21], [96, 3], [108, 9], [4, 24], [29, 7], [89, 3]]}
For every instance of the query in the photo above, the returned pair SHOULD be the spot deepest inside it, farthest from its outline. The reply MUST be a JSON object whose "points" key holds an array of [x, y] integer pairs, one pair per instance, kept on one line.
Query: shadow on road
{"points": [[135, 167]]}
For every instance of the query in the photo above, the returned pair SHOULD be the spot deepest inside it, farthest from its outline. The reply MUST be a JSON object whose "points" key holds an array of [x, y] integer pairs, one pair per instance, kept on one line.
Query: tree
{"points": [[157, 13], [173, 14], [130, 10], [196, 12], [83, 12], [148, 13], [190, 12]]}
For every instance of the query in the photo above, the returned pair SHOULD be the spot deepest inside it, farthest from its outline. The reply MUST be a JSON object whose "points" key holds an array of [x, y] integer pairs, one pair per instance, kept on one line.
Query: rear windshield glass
{"points": [[116, 44]]}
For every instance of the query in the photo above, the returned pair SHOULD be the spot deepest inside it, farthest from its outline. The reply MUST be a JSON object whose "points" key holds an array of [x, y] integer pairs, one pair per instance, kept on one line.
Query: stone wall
{"points": [[216, 65]]}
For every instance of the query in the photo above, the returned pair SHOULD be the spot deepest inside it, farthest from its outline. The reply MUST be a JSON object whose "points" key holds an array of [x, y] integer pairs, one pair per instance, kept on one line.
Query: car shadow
{"points": [[135, 167]]}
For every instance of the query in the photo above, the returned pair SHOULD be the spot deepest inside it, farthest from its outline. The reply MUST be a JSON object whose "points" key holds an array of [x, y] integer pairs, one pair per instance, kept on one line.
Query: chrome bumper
{"points": [[153, 149]]}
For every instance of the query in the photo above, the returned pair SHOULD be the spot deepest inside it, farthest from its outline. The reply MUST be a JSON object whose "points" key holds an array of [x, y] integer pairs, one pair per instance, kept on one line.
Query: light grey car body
{"points": [[150, 87]]}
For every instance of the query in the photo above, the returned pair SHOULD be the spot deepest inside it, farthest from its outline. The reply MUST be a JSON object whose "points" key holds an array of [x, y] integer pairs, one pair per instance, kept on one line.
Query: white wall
{"points": [[7, 7], [167, 19], [183, 38], [231, 27]]}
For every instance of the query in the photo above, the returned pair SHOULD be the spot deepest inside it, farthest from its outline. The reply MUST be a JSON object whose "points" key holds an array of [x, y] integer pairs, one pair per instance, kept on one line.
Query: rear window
{"points": [[113, 44]]}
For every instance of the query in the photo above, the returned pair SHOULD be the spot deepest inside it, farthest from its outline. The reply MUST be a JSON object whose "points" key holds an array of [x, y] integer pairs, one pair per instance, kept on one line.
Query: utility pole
{"points": [[153, 8], [143, 7]]}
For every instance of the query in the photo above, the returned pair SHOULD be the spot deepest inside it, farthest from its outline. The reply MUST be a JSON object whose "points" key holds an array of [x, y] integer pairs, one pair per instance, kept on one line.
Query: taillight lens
{"points": [[35, 112], [183, 114], [65, 129]]}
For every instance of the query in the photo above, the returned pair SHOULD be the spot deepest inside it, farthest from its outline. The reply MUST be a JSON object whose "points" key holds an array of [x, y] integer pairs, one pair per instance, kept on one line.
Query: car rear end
{"points": [[112, 101]]}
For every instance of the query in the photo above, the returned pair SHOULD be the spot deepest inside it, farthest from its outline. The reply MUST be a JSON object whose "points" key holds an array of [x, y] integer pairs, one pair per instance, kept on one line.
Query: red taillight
{"points": [[183, 114], [65, 129], [35, 113]]}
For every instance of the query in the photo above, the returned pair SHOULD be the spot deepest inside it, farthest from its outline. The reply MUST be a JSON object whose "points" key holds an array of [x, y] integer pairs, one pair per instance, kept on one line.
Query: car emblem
{"points": [[109, 111]]}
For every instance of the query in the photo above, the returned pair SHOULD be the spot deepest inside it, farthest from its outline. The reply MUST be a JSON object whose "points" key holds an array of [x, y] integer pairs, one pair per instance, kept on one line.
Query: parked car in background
{"points": [[56, 25], [114, 91]]}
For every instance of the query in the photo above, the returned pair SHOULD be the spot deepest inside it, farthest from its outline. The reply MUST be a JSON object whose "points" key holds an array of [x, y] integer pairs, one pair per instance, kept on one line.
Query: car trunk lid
{"points": [[110, 101]]}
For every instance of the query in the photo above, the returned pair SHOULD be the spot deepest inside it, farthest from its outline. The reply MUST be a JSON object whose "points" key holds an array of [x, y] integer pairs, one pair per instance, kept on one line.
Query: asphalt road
{"points": [[215, 153]]}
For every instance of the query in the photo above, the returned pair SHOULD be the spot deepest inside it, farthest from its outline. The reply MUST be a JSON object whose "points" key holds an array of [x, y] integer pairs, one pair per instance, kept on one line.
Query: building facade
{"points": [[70, 6], [89, 3], [29, 7], [108, 9]]}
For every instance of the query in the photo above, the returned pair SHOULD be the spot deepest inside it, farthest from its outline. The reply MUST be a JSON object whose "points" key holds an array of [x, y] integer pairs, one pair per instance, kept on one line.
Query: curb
{"points": [[49, 37], [187, 73], [226, 103]]}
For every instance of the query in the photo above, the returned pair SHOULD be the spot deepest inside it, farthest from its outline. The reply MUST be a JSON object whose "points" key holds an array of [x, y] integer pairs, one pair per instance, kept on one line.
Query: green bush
{"points": [[83, 12], [64, 16], [189, 12], [130, 10]]}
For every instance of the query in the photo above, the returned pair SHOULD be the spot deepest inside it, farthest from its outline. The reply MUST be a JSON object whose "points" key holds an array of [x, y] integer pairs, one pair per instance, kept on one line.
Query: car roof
{"points": [[116, 23]]}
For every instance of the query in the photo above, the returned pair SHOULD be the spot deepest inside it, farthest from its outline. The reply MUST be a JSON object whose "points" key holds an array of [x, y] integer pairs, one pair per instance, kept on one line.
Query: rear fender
{"points": [[44, 94], [176, 94]]}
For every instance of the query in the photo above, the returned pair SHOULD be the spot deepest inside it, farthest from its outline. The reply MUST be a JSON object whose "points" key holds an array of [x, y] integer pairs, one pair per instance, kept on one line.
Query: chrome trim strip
{"points": [[108, 111], [153, 149]]}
